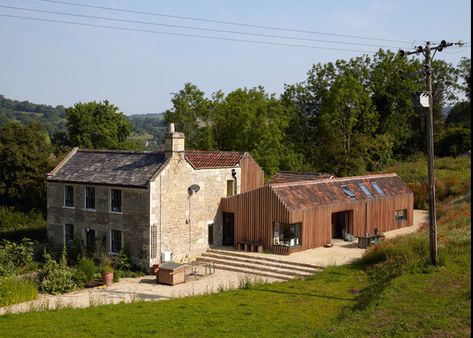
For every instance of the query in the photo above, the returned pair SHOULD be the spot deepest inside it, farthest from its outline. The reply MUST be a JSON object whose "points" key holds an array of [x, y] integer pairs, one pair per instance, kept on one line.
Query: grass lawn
{"points": [[293, 308]]}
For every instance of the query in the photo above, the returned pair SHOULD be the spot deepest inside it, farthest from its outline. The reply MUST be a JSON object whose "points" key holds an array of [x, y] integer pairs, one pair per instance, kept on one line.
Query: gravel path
{"points": [[145, 288]]}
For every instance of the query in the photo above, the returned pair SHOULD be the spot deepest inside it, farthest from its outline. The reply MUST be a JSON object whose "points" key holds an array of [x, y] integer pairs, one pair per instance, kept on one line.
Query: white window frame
{"points": [[85, 199], [111, 242], [64, 204], [121, 201]]}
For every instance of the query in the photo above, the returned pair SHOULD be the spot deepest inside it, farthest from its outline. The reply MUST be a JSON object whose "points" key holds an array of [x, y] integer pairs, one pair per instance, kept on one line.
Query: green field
{"points": [[393, 291]]}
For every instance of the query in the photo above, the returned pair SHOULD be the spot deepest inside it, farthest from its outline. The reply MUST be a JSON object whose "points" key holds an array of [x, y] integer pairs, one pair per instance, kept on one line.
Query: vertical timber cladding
{"points": [[252, 176], [255, 211]]}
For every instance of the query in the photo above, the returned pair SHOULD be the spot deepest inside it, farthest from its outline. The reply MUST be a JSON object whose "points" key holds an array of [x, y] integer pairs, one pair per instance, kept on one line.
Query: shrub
{"points": [[56, 277], [14, 256], [13, 291], [85, 270]]}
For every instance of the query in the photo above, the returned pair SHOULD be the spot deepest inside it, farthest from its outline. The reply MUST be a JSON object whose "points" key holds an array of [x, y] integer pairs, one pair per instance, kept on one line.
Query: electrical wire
{"points": [[185, 35], [223, 22], [196, 28]]}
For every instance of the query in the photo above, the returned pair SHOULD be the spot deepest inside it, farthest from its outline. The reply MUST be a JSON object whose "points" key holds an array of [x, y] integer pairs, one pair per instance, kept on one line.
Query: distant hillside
{"points": [[148, 128], [26, 112]]}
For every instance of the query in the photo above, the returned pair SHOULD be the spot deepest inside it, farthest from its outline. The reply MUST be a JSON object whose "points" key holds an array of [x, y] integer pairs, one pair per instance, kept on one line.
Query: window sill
{"points": [[67, 207], [91, 210], [113, 253], [116, 212]]}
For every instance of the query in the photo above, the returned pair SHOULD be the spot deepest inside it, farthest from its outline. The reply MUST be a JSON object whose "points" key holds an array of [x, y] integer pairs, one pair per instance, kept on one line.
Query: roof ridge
{"points": [[118, 151], [214, 151], [335, 179]]}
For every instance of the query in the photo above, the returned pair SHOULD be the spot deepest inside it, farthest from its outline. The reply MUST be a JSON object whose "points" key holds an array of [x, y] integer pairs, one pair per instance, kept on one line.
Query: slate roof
{"points": [[292, 176], [213, 159], [308, 194], [110, 167]]}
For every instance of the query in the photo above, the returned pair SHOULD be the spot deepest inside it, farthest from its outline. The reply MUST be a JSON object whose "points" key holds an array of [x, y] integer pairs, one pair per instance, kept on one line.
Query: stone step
{"points": [[259, 257], [252, 272], [255, 267], [256, 260]]}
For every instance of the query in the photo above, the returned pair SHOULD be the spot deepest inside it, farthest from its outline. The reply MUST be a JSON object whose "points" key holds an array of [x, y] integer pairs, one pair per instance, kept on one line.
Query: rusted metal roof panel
{"points": [[292, 176], [308, 194]]}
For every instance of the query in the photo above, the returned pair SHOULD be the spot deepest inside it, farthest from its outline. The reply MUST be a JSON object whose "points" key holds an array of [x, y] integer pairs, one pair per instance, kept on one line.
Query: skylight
{"points": [[365, 190], [348, 192], [377, 188]]}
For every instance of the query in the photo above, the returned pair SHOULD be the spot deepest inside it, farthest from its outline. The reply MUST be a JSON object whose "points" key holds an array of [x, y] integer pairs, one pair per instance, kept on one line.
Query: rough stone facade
{"points": [[182, 219], [162, 215], [133, 221]]}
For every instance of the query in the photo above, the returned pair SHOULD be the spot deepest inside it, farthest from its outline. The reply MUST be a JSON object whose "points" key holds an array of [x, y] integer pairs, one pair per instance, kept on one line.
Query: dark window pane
{"points": [[69, 234], [90, 198], [116, 241], [116, 203], [68, 195]]}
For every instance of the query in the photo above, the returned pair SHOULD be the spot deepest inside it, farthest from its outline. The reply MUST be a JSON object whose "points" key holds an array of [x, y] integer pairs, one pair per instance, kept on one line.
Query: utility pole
{"points": [[426, 51]]}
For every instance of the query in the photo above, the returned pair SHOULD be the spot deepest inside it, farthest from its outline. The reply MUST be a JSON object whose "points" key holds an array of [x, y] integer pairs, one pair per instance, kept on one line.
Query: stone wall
{"points": [[133, 221], [181, 220]]}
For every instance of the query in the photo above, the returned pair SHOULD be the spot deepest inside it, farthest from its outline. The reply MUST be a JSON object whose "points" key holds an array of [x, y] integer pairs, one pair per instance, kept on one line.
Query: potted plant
{"points": [[107, 271]]}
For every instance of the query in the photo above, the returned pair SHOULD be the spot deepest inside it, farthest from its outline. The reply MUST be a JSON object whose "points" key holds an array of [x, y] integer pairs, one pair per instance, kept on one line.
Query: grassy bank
{"points": [[14, 290], [452, 178]]}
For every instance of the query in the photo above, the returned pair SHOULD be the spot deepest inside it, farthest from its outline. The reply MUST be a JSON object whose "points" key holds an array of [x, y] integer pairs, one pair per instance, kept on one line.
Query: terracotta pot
{"points": [[107, 278]]}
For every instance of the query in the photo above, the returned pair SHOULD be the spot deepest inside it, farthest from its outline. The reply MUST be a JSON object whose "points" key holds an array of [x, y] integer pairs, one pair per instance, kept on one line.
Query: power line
{"points": [[223, 22], [184, 35], [196, 28]]}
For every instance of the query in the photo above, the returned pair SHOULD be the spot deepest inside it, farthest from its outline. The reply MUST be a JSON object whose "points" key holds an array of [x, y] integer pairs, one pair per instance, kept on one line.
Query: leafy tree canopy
{"points": [[97, 125], [25, 158]]}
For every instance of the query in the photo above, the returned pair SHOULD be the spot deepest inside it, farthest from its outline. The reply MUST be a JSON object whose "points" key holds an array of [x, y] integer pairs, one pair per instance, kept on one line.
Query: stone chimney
{"points": [[173, 142]]}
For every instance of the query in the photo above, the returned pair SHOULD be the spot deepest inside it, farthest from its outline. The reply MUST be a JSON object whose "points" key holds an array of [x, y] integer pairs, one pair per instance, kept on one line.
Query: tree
{"points": [[97, 125], [192, 113], [347, 125], [25, 158], [464, 67], [251, 120]]}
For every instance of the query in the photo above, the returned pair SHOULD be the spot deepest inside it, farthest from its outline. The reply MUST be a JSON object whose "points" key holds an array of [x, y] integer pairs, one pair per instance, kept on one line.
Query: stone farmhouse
{"points": [[173, 205], [157, 206]]}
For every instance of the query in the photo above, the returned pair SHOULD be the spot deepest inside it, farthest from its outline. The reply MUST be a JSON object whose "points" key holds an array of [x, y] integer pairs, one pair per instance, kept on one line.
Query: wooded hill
{"points": [[145, 127]]}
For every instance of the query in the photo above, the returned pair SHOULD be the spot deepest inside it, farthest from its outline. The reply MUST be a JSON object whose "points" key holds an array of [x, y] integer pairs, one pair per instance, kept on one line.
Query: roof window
{"points": [[365, 190], [348, 192], [377, 188]]}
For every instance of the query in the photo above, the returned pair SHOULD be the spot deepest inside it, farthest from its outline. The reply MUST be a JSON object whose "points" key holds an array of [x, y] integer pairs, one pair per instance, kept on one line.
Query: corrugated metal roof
{"points": [[110, 167], [292, 176], [213, 159], [307, 194]]}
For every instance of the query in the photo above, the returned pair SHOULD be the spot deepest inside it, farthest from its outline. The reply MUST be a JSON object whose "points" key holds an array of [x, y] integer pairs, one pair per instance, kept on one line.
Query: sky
{"points": [[60, 63]]}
